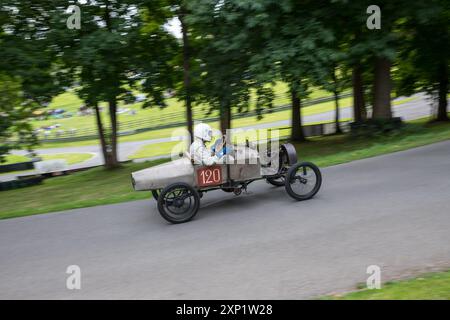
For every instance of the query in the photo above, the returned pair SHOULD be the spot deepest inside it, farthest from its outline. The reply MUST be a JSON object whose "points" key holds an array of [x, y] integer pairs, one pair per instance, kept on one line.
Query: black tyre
{"points": [[178, 202], [277, 182], [155, 194], [283, 162], [303, 180]]}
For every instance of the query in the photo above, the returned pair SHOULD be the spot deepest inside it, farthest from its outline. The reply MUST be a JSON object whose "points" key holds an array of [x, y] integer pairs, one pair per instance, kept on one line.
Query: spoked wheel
{"points": [[178, 203], [155, 194], [277, 182], [303, 180]]}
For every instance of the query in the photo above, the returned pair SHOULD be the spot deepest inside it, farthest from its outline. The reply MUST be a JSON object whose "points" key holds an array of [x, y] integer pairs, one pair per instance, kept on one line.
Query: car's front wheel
{"points": [[178, 202], [303, 180]]}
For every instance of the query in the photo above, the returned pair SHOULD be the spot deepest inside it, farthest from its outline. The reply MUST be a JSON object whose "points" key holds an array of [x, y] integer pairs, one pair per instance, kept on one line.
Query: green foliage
{"points": [[237, 49], [224, 68], [27, 52], [424, 57], [29, 77], [117, 48], [14, 114]]}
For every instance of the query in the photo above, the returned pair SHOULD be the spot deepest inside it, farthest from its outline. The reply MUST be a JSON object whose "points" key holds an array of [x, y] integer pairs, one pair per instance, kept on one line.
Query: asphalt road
{"points": [[391, 211]]}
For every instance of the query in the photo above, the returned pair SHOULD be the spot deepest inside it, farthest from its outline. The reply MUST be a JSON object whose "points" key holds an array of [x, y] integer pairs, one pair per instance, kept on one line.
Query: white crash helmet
{"points": [[203, 131]]}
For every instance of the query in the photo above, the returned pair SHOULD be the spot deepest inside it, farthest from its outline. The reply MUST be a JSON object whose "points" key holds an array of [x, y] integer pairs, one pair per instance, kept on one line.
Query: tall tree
{"points": [[184, 72], [29, 73], [359, 104], [281, 40], [225, 78], [296, 44], [338, 83], [348, 22], [119, 47], [183, 12], [336, 78], [424, 60], [384, 45]]}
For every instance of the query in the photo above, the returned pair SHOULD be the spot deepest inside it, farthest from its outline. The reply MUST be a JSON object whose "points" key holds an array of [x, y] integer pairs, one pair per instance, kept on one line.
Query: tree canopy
{"points": [[229, 50]]}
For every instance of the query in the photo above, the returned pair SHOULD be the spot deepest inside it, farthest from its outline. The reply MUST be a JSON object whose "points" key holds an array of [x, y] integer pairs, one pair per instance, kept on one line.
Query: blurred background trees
{"points": [[228, 55]]}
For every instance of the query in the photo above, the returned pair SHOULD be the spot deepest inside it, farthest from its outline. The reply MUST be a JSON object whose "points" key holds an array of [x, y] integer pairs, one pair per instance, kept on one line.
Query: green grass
{"points": [[159, 149], [98, 186], [71, 158], [12, 158], [431, 286]]}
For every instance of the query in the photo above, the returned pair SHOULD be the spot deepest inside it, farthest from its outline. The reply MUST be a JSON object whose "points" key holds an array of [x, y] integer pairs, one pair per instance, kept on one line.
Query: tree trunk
{"points": [[113, 161], [186, 72], [336, 102], [336, 118], [297, 128], [101, 134], [225, 118], [382, 89], [443, 90], [359, 106], [110, 149]]}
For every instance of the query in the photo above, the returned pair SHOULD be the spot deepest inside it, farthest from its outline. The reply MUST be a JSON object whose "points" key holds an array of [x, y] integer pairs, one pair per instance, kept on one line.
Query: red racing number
{"points": [[209, 176]]}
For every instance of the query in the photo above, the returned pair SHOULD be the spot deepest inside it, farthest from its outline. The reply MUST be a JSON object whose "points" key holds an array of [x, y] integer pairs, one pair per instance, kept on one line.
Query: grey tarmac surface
{"points": [[391, 211]]}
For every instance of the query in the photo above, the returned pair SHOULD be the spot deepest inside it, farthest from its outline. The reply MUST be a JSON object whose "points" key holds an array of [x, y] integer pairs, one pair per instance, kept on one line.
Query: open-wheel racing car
{"points": [[178, 185]]}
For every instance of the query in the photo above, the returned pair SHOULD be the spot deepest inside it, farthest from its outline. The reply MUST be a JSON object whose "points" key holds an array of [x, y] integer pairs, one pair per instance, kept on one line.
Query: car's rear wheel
{"points": [[283, 163], [178, 202], [303, 180]]}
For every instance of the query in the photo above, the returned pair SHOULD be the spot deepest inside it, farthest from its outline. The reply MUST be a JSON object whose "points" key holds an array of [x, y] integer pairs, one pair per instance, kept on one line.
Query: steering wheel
{"points": [[219, 145]]}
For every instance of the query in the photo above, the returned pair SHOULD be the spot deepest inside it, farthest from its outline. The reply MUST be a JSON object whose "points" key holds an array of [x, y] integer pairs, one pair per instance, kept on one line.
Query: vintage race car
{"points": [[178, 185]]}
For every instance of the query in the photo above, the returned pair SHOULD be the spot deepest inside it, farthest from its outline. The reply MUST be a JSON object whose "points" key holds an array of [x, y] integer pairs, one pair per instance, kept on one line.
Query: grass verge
{"points": [[431, 286], [98, 186], [159, 149], [13, 158], [71, 158]]}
